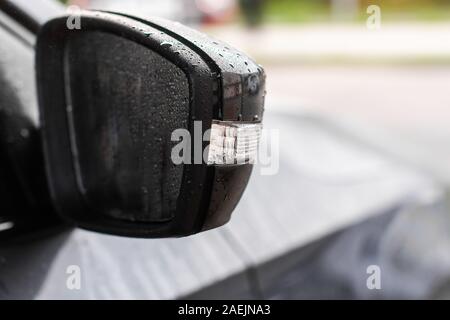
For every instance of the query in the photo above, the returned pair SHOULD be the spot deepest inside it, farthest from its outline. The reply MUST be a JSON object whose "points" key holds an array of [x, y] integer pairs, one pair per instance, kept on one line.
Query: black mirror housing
{"points": [[111, 93]]}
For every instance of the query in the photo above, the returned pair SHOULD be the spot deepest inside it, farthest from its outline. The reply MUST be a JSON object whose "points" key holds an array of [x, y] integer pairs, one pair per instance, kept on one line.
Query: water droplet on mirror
{"points": [[166, 44], [25, 133]]}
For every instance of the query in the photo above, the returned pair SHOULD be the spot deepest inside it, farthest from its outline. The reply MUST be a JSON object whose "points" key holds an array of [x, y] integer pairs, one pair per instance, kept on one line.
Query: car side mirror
{"points": [[149, 127]]}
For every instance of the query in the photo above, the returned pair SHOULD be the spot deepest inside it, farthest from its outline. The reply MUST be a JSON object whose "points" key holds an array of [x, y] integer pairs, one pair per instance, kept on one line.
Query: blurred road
{"points": [[403, 110], [288, 44]]}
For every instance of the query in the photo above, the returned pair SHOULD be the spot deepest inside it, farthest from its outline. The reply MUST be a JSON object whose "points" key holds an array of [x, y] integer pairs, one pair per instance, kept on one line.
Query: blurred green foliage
{"points": [[296, 10], [292, 11]]}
